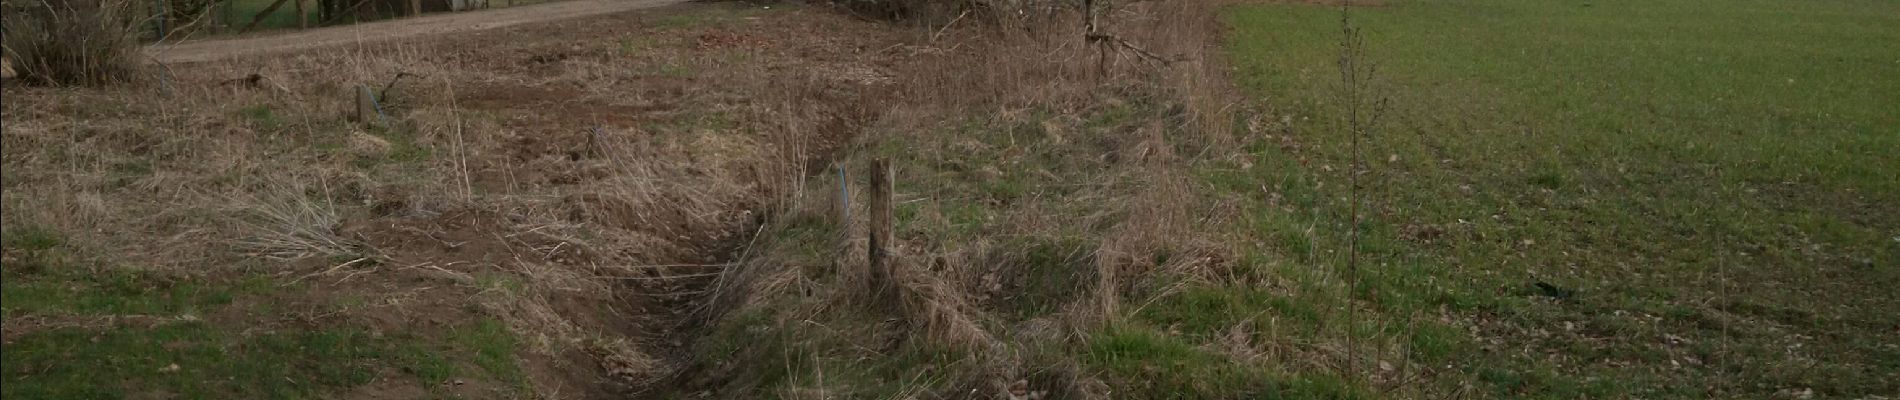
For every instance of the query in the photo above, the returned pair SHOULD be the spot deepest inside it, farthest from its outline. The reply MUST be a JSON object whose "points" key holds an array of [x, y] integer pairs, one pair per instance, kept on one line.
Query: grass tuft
{"points": [[73, 42]]}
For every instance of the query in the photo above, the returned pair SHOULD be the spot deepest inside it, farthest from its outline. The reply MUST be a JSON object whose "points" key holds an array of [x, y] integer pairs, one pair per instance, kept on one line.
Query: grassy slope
{"points": [[1704, 201], [1715, 182], [114, 332], [118, 303]]}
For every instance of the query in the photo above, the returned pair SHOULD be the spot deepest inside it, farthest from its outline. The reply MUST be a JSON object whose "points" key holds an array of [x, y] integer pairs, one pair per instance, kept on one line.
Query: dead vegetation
{"points": [[582, 190], [1043, 196], [655, 210], [72, 42]]}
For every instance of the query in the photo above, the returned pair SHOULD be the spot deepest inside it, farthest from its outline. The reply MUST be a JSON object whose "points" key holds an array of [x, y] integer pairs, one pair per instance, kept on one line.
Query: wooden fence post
{"points": [[365, 106], [880, 228], [303, 15]]}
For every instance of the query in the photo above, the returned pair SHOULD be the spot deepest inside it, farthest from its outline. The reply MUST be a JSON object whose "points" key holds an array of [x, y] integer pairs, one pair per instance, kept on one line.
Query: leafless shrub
{"points": [[72, 42]]}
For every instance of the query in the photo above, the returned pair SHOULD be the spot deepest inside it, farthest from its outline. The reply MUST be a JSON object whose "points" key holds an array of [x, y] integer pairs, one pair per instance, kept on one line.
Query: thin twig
{"points": [[461, 148], [1116, 42], [384, 93], [671, 266], [1349, 75], [327, 271], [663, 277], [946, 27]]}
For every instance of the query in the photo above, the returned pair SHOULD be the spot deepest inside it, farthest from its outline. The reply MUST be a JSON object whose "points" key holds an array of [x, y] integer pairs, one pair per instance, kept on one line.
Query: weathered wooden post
{"points": [[880, 228], [303, 15], [365, 106], [415, 8]]}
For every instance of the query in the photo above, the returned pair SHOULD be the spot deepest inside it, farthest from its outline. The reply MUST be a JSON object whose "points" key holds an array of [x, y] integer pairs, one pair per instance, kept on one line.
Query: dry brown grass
{"points": [[591, 192], [72, 42], [1132, 198], [182, 164], [585, 194], [1047, 66]]}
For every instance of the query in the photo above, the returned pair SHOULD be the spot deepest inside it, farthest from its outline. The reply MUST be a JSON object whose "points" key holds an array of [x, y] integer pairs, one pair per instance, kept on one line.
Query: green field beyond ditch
{"points": [[1677, 199]]}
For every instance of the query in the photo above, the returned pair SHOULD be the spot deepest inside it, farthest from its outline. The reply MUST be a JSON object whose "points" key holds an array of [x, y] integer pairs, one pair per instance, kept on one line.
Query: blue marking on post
{"points": [[378, 103], [844, 194]]}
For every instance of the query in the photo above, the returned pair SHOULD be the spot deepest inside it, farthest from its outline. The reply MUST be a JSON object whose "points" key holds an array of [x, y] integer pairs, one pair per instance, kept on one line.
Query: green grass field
{"points": [[1713, 188]]}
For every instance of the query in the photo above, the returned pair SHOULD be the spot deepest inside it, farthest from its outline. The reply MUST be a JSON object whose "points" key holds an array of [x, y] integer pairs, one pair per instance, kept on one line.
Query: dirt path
{"points": [[216, 49]]}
